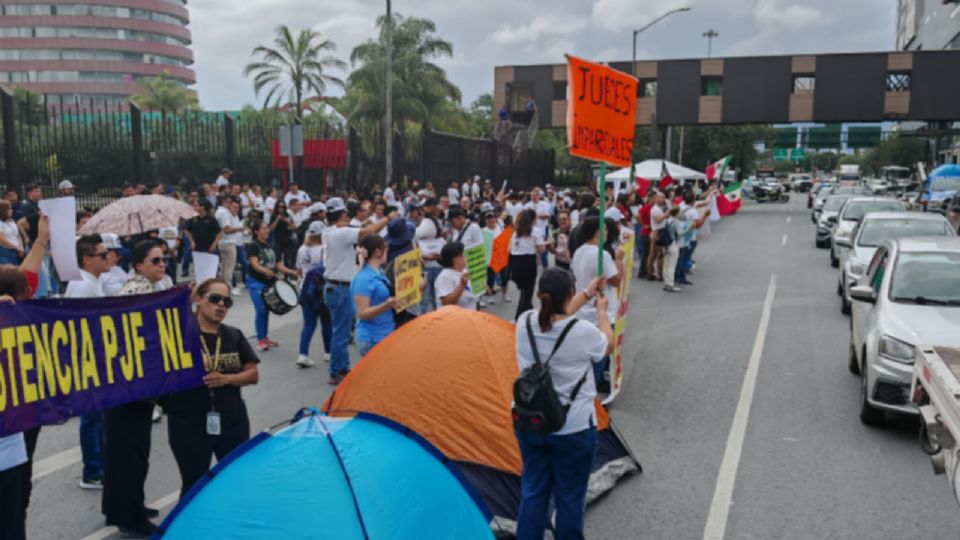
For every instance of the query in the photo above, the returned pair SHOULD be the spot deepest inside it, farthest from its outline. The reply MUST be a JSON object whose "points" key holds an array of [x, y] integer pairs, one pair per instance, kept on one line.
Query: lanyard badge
{"points": [[212, 363]]}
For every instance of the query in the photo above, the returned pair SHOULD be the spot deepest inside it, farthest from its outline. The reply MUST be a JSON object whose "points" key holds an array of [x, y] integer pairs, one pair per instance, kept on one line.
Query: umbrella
{"points": [[364, 477], [137, 215]]}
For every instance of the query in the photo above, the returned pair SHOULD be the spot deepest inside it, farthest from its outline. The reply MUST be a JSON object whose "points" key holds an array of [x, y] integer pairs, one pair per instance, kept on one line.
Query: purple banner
{"points": [[64, 358]]}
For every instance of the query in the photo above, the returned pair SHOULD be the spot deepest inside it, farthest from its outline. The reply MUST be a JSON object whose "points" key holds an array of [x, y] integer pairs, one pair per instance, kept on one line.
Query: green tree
{"points": [[165, 94], [293, 68], [422, 94], [902, 151]]}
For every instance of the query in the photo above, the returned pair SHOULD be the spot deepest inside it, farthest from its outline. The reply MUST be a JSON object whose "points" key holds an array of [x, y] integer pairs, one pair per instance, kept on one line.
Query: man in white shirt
{"points": [[390, 194], [453, 194], [340, 262], [475, 188], [542, 208], [269, 204], [94, 260], [465, 231], [658, 218], [224, 178], [228, 217], [113, 279], [429, 237], [296, 194]]}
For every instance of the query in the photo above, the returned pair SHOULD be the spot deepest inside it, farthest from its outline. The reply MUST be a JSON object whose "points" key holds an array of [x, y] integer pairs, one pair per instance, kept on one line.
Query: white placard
{"points": [[205, 265], [169, 235], [62, 213]]}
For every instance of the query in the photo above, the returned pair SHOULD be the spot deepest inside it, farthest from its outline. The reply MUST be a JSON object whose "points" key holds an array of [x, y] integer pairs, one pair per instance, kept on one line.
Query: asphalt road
{"points": [[804, 468]]}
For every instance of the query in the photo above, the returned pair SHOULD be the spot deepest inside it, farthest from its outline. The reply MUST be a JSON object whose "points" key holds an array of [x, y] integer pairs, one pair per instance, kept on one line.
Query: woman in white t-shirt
{"points": [[562, 459], [527, 244], [11, 244], [453, 282]]}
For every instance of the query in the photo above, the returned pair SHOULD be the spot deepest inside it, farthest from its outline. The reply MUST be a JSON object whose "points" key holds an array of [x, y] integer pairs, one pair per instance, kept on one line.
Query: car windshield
{"points": [[856, 210], [945, 184], [834, 204], [927, 278], [874, 232]]}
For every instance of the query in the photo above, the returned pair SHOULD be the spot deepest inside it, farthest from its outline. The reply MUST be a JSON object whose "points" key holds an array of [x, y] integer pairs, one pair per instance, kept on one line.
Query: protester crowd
{"points": [[338, 253]]}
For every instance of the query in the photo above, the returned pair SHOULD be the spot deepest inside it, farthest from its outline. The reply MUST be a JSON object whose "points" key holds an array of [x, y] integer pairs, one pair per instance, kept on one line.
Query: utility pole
{"points": [[388, 116], [710, 34]]}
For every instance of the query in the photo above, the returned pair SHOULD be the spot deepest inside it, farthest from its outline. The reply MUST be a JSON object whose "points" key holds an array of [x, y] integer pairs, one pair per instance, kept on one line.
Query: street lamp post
{"points": [[710, 34], [633, 64], [388, 115]]}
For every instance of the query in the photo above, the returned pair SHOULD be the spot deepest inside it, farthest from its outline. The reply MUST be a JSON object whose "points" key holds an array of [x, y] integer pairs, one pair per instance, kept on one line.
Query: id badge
{"points": [[213, 423]]}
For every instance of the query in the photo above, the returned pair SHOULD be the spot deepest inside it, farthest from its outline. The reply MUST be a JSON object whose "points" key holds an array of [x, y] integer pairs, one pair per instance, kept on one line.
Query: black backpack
{"points": [[537, 407], [666, 234]]}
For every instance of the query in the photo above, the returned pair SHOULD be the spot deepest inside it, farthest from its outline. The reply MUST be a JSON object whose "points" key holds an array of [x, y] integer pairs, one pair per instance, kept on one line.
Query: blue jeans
{"points": [[337, 298], [693, 248], [683, 264], [263, 316], [91, 445], [429, 301], [557, 465], [365, 346], [310, 316], [9, 256], [43, 283]]}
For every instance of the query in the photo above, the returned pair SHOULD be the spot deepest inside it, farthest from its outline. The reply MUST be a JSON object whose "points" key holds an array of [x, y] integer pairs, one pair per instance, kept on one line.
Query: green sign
{"points": [[781, 154], [863, 137], [477, 266], [829, 136], [785, 138]]}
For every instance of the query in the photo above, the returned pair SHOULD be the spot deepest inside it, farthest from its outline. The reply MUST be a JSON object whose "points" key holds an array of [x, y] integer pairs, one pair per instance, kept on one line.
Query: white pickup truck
{"points": [[936, 390]]}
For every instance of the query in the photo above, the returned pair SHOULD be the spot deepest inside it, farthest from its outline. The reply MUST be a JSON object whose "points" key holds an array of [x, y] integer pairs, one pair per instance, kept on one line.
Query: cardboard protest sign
{"points": [[601, 112], [477, 266], [500, 256], [64, 358], [408, 270]]}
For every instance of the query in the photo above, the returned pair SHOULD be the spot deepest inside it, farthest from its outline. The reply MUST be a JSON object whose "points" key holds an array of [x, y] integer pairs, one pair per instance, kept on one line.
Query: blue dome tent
{"points": [[339, 478], [941, 185]]}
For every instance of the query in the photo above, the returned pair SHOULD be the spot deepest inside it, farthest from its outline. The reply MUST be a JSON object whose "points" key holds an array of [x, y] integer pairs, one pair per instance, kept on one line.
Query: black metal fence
{"points": [[102, 148]]}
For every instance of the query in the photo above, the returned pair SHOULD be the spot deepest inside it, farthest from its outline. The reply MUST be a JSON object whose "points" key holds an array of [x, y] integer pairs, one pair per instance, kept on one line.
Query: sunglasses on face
{"points": [[157, 261], [103, 255], [215, 298]]}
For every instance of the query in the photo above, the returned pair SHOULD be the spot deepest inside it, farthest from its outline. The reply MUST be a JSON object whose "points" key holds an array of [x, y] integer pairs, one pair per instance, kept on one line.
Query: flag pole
{"points": [[603, 209]]}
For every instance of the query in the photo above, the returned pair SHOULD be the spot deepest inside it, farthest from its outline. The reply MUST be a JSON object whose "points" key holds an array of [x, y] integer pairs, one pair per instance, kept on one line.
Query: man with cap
{"points": [[340, 267], [66, 188], [224, 178], [430, 238], [113, 279], [465, 231]]}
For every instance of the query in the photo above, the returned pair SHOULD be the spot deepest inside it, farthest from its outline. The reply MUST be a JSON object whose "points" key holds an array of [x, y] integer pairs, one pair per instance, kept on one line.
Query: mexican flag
{"points": [[729, 202], [716, 170]]}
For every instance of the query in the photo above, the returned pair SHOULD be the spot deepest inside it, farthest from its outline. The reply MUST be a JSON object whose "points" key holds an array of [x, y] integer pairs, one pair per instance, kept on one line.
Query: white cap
{"points": [[316, 228], [318, 207], [335, 204], [111, 241], [476, 177], [614, 214], [66, 184]]}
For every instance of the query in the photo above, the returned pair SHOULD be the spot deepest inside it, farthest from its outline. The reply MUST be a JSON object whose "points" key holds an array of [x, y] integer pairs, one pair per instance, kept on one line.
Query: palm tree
{"points": [[421, 92], [165, 94], [295, 66]]}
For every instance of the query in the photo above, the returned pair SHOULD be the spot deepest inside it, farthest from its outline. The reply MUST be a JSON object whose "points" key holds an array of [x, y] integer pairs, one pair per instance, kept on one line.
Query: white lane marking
{"points": [[56, 462], [954, 12], [159, 504], [789, 218], [784, 241], [723, 494]]}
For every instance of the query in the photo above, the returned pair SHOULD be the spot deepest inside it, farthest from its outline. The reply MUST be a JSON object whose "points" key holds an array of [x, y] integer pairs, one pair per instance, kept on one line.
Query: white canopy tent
{"points": [[651, 169]]}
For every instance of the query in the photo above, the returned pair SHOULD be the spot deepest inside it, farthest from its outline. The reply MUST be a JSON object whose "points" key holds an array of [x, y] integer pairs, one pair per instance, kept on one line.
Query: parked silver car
{"points": [[908, 299], [874, 229], [850, 215], [827, 219]]}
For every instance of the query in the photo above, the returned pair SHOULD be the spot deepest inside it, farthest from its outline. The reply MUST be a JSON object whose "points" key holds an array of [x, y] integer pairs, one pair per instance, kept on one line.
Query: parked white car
{"points": [[874, 229], [851, 213], [908, 299]]}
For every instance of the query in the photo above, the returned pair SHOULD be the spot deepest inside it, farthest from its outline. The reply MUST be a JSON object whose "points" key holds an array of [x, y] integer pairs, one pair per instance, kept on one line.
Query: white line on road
{"points": [[159, 504], [784, 241], [723, 494], [789, 218], [56, 462]]}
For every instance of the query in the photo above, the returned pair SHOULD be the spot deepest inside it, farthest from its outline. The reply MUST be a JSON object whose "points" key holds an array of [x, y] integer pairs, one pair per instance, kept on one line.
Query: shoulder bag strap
{"points": [[533, 341]]}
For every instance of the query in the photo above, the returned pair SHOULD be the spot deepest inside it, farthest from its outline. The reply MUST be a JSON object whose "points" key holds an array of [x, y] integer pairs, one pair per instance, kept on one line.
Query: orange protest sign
{"points": [[500, 254], [601, 112]]}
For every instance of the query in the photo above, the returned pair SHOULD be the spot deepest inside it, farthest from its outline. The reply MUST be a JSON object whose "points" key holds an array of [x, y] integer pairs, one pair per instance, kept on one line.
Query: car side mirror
{"points": [[863, 293], [842, 242]]}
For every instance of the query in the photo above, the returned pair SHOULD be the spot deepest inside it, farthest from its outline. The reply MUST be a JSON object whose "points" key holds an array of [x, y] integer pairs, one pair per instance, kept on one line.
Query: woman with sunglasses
{"points": [[212, 420], [265, 267], [126, 428]]}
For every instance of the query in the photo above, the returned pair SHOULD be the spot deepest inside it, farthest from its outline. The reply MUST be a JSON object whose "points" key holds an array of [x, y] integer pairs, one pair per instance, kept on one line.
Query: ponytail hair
{"points": [[554, 292]]}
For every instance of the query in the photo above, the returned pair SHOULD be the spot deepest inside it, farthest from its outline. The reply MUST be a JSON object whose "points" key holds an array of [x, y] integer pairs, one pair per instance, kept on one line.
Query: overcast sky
{"points": [[488, 33]]}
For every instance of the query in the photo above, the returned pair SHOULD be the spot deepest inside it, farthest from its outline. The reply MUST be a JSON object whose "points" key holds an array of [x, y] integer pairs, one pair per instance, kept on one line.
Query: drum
{"points": [[281, 297]]}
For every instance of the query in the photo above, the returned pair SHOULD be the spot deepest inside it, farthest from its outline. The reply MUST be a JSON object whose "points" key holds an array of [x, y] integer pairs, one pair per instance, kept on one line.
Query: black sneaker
{"points": [[151, 512], [143, 530], [91, 483]]}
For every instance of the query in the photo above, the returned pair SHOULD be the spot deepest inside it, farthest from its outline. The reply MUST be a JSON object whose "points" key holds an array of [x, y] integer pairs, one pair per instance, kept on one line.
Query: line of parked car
{"points": [[898, 279]]}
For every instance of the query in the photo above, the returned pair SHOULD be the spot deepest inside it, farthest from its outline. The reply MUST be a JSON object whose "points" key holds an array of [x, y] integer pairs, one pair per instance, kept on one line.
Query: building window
{"points": [[559, 90], [898, 81], [647, 88], [711, 86], [804, 84]]}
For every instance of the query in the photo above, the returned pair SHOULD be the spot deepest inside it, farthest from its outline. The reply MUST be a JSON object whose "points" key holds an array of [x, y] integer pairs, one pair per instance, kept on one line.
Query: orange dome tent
{"points": [[449, 377]]}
